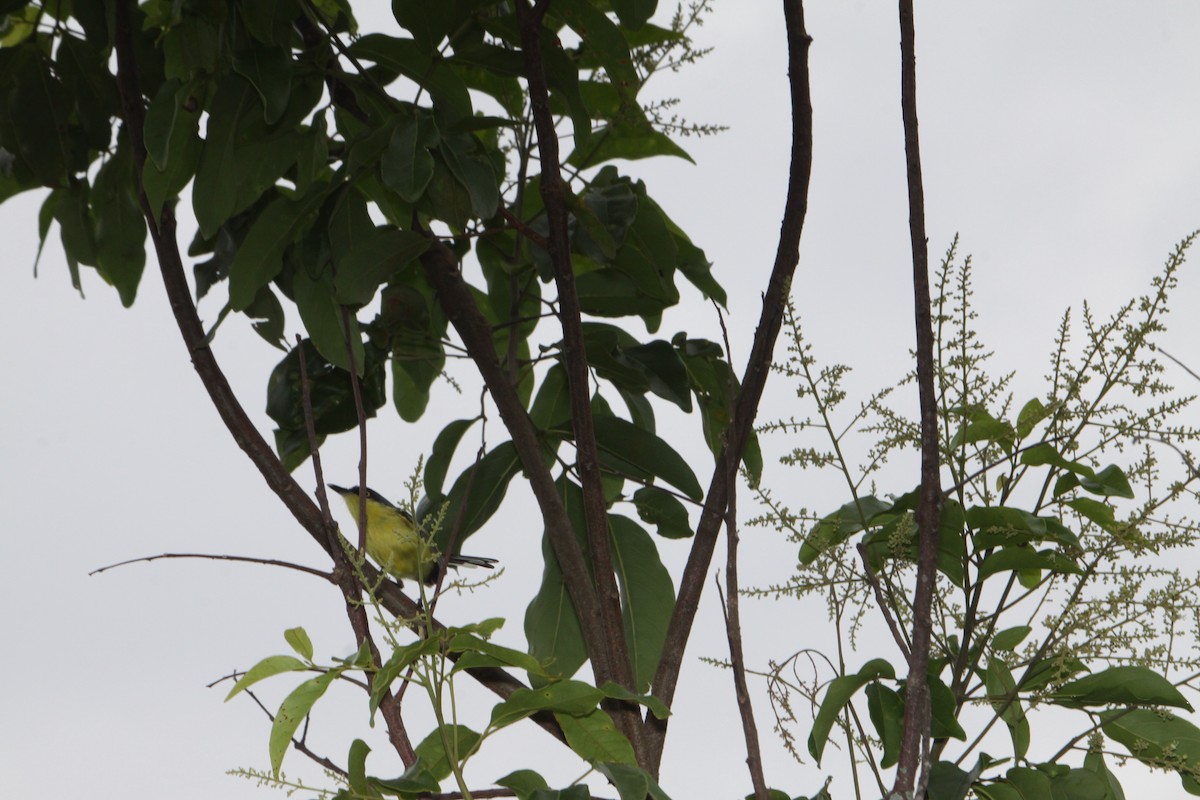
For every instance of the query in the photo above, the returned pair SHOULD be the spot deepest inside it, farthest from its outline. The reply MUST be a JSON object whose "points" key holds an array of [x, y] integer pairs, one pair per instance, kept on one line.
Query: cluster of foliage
{"points": [[1053, 593], [390, 191]]}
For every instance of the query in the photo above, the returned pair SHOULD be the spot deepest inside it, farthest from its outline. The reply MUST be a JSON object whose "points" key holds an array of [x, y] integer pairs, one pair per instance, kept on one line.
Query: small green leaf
{"points": [[1009, 638], [647, 596], [886, 708], [1008, 559], [839, 526], [566, 697], [1002, 691], [473, 170], [443, 451], [633, 14], [298, 639], [662, 509], [260, 257], [269, 70], [1030, 415], [322, 319], [525, 782], [478, 492]]}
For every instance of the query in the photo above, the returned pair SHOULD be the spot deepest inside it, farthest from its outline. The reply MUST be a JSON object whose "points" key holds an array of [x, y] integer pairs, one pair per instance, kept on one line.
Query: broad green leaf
{"points": [[839, 526], [120, 227], [445, 747], [886, 708], [662, 509], [647, 596], [949, 782], [171, 129], [372, 260], [1008, 559], [1112, 787], [839, 693], [473, 170], [267, 668], [575, 698], [84, 71], [1030, 784], [1002, 691], [1158, 739], [663, 369], [214, 193], [269, 71], [443, 451], [631, 781], [292, 711], [943, 707], [35, 119], [551, 624], [1108, 482], [595, 739], [1127, 685], [604, 41], [1000, 526], [478, 492], [408, 58], [629, 447], [634, 14], [406, 167], [323, 320], [356, 767], [524, 782], [260, 257], [429, 23], [1079, 784], [471, 643], [627, 140]]}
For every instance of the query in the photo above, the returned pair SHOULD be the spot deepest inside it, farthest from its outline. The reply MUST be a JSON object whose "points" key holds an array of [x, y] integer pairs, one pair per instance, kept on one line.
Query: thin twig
{"points": [[215, 557], [754, 379]]}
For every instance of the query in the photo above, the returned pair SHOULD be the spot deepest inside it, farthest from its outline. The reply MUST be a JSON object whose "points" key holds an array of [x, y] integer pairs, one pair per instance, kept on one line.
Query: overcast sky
{"points": [[1060, 140]]}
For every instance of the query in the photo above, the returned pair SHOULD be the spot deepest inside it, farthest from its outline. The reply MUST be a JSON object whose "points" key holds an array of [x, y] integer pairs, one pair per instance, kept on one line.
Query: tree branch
{"points": [[745, 409], [616, 665], [915, 737]]}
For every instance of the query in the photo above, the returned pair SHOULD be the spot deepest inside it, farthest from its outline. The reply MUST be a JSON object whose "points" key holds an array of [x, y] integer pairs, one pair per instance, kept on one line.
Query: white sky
{"points": [[1061, 140]]}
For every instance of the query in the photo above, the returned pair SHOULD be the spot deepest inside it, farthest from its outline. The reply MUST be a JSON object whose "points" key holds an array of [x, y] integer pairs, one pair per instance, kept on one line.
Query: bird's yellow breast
{"points": [[394, 542]]}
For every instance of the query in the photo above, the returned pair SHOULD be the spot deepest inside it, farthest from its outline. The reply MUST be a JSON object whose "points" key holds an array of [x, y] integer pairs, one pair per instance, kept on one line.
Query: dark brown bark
{"points": [[754, 379], [915, 738]]}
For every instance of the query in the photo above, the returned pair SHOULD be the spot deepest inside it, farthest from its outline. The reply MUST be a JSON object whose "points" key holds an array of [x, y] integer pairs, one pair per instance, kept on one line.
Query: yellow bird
{"points": [[397, 544]]}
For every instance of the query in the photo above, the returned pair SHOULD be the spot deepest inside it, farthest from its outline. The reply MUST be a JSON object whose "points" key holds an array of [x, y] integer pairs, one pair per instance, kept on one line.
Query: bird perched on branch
{"points": [[397, 544]]}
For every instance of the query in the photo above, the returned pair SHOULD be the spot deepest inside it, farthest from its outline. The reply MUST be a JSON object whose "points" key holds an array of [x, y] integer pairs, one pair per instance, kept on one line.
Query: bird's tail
{"points": [[472, 561]]}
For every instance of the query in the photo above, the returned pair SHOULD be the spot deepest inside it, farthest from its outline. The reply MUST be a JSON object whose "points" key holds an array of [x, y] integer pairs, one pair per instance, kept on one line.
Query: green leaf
{"points": [[949, 782], [1079, 784], [524, 782], [840, 690], [634, 14], [267, 668], [373, 260], [1000, 526], [473, 170], [443, 451], [662, 509], [36, 119], [292, 711], [433, 753], [269, 71], [1002, 691], [172, 143], [575, 698], [886, 708], [406, 57], [647, 596], [604, 41], [1112, 787], [323, 320], [629, 140], [981, 426], [214, 193], [839, 526], [1158, 739], [120, 227], [652, 703], [356, 767], [298, 639], [551, 624], [260, 257], [1127, 685], [634, 450], [1008, 559], [406, 166], [1030, 415], [595, 739], [478, 493], [631, 781], [1009, 638]]}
